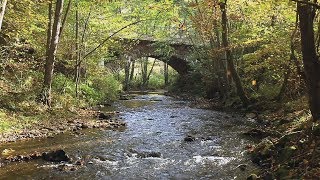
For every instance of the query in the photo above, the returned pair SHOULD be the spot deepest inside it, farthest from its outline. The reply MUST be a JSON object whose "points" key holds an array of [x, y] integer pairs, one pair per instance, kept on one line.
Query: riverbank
{"points": [[293, 153], [52, 123], [286, 140]]}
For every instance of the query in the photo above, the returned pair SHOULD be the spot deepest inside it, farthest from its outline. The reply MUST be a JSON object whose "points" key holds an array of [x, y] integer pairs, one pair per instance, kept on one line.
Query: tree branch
{"points": [[65, 17], [113, 34], [86, 24]]}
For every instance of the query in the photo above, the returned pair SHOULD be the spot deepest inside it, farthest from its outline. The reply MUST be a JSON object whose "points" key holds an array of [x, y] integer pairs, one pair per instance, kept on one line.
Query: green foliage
{"points": [[163, 49], [189, 84], [62, 84], [156, 81], [104, 88], [94, 90]]}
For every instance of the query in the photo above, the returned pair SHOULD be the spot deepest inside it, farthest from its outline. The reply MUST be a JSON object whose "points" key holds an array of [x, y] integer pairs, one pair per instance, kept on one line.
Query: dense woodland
{"points": [[251, 55]]}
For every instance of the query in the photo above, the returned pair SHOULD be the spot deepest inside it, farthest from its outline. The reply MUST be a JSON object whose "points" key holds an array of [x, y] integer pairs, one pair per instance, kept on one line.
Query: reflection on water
{"points": [[152, 147]]}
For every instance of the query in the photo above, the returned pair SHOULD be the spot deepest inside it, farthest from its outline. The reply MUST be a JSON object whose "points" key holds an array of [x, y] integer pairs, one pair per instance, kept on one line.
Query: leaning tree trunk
{"points": [[64, 20], [309, 56], [3, 10], [148, 77], [51, 55], [230, 64]]}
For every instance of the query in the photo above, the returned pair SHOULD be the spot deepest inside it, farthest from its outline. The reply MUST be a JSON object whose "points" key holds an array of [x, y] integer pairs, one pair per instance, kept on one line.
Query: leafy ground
{"points": [[287, 145]]}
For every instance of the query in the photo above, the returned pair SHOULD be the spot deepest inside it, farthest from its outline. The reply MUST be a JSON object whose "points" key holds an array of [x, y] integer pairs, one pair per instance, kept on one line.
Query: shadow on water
{"points": [[152, 146]]}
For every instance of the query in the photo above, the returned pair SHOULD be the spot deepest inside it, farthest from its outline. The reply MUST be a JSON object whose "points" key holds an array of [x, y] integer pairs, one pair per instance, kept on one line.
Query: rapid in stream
{"points": [[152, 146]]}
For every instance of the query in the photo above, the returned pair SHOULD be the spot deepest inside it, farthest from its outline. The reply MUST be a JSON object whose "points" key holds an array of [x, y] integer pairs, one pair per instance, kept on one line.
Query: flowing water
{"points": [[156, 126]]}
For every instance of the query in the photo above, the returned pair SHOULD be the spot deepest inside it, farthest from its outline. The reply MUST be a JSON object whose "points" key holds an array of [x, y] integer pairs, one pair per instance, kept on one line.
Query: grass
{"points": [[16, 122]]}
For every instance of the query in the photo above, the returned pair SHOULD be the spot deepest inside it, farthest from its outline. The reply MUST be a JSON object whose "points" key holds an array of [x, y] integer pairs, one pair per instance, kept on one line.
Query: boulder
{"points": [[252, 177], [316, 130], [104, 116], [189, 138], [66, 167], [262, 151], [84, 126], [79, 162], [149, 154], [56, 156], [251, 115], [145, 154], [242, 167], [287, 152], [124, 97], [261, 133]]}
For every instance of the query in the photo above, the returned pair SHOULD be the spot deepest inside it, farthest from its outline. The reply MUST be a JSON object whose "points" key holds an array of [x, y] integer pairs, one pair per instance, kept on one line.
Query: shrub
{"points": [[93, 91], [107, 88], [156, 81]]}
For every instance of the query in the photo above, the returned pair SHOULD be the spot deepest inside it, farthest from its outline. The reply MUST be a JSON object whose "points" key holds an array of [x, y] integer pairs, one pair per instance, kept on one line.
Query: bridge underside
{"points": [[178, 64]]}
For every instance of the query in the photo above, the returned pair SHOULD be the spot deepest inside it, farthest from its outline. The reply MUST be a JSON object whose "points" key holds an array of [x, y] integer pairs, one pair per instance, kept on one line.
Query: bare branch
{"points": [[113, 34]]}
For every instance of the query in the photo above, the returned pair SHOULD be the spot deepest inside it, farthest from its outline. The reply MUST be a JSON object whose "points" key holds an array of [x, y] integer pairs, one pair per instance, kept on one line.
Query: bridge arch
{"points": [[177, 59]]}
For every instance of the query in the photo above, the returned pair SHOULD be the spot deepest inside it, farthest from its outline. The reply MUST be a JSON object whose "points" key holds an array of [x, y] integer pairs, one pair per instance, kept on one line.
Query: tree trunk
{"points": [[133, 62], [49, 66], [230, 65], [222, 80], [148, 77], [309, 57], [144, 71], [284, 85], [3, 10], [65, 18], [86, 26], [82, 48], [127, 73], [49, 30], [77, 73], [166, 74]]}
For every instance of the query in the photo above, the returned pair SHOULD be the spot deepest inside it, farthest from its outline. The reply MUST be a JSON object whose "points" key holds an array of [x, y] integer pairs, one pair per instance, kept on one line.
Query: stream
{"points": [[152, 146]]}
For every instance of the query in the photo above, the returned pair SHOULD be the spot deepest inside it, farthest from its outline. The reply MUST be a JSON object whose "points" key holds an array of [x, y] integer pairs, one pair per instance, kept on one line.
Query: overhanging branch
{"points": [[113, 34]]}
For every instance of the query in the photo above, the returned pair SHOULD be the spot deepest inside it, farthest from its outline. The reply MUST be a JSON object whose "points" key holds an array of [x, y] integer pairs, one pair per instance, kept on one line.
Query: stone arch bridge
{"points": [[175, 54]]}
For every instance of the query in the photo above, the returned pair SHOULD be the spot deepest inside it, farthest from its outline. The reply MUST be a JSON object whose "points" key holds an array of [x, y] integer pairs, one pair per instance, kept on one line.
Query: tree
{"points": [[133, 62], [166, 73], [78, 53], [307, 13], [230, 64], [127, 72], [53, 38], [3, 9]]}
